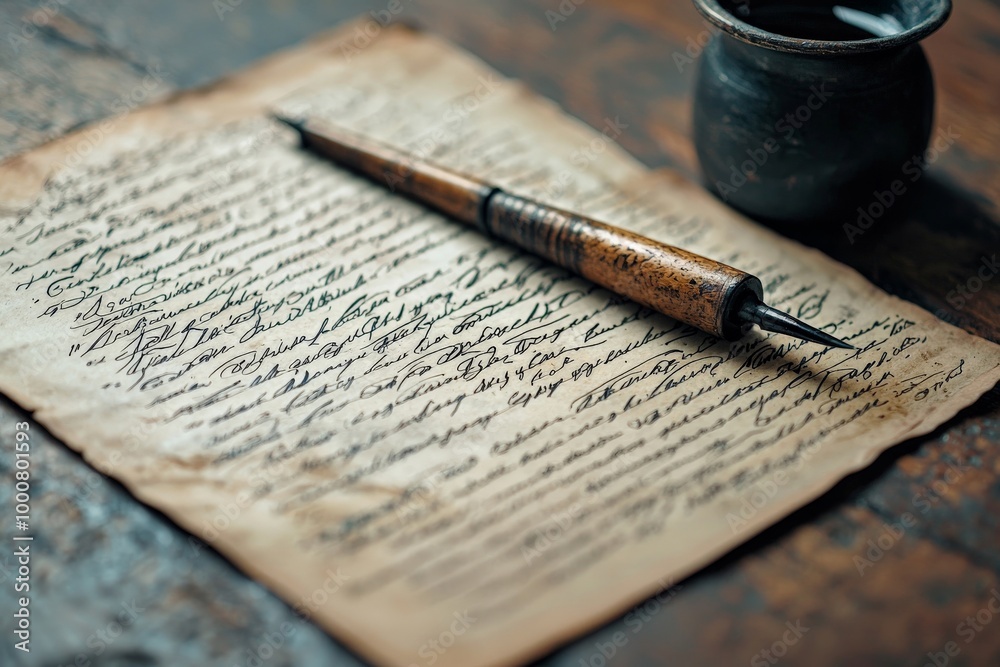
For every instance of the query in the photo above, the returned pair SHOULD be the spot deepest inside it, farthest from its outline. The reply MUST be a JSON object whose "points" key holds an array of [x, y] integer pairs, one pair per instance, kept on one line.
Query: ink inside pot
{"points": [[803, 108], [825, 22]]}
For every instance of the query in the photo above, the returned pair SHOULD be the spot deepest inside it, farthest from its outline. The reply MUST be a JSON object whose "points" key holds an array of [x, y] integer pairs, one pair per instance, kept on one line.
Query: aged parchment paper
{"points": [[440, 449]]}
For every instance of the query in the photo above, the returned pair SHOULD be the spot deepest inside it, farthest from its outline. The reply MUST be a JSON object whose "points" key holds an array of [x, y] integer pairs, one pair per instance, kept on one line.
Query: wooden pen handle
{"points": [[685, 286]]}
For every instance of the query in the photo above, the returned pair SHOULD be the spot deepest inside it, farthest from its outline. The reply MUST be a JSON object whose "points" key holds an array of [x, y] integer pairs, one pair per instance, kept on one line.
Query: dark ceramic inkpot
{"points": [[807, 110]]}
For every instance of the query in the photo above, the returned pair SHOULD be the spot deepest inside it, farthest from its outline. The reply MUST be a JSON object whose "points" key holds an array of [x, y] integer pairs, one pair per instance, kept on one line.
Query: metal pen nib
{"points": [[771, 319]]}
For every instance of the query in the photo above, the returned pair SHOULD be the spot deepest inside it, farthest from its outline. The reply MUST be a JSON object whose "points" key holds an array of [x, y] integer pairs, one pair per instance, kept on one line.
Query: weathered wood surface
{"points": [[97, 548]]}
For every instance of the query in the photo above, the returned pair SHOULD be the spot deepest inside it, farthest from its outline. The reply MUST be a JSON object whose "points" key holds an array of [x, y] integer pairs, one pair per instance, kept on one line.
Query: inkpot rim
{"points": [[934, 16]]}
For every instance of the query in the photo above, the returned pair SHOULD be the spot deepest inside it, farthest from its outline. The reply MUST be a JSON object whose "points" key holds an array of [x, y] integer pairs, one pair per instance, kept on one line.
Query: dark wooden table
{"points": [[99, 552]]}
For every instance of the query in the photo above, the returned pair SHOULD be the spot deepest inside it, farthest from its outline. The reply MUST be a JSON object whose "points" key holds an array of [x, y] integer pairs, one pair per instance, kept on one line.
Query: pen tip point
{"points": [[774, 320]]}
